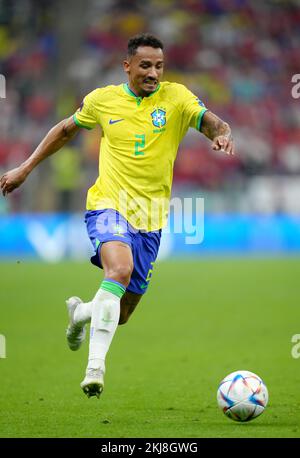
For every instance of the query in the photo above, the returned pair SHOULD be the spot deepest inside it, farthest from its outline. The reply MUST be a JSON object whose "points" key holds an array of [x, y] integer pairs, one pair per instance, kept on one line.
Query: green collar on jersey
{"points": [[138, 99]]}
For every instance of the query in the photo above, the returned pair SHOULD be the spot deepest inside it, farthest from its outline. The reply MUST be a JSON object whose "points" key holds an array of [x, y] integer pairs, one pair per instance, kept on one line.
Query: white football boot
{"points": [[93, 383], [75, 333]]}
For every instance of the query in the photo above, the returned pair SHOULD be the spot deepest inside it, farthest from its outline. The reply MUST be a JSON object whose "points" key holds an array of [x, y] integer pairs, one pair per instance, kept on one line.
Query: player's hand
{"points": [[12, 180], [224, 143]]}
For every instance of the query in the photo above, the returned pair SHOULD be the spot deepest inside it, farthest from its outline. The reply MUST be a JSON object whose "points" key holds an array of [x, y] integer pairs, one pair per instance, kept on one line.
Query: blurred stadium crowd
{"points": [[238, 56]]}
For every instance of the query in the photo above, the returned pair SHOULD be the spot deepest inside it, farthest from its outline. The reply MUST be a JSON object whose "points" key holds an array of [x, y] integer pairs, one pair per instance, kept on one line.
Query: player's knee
{"points": [[121, 273]]}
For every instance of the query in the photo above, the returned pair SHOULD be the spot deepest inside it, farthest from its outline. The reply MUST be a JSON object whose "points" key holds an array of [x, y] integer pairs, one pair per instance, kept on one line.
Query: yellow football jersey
{"points": [[140, 139]]}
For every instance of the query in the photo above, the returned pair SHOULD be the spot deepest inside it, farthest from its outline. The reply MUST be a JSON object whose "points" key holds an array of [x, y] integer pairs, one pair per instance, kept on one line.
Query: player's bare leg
{"points": [[117, 262], [128, 304]]}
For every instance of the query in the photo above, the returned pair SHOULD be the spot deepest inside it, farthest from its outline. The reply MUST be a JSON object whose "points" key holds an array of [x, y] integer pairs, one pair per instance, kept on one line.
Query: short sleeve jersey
{"points": [[140, 139]]}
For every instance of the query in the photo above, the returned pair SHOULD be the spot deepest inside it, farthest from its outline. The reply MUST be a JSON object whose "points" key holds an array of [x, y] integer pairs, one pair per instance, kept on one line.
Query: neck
{"points": [[136, 92], [132, 88]]}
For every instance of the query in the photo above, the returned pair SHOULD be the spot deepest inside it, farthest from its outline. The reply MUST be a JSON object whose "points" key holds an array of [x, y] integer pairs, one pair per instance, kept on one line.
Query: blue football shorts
{"points": [[109, 225]]}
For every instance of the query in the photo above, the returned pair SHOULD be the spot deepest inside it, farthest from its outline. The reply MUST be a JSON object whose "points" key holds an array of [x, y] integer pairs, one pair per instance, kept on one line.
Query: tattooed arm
{"points": [[218, 131]]}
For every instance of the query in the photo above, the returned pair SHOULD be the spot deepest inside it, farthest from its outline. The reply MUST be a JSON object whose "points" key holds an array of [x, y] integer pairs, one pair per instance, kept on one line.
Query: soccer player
{"points": [[143, 122]]}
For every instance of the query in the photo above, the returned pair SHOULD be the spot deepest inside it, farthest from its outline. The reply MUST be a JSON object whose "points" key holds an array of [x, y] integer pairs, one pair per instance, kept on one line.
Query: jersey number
{"points": [[139, 145]]}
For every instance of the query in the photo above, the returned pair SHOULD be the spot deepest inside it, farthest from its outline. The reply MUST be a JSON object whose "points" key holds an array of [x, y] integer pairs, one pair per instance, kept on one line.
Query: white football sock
{"points": [[104, 321], [83, 313]]}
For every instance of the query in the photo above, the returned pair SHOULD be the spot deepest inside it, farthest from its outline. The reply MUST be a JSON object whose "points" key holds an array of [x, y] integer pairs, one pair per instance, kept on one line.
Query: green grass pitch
{"points": [[200, 320]]}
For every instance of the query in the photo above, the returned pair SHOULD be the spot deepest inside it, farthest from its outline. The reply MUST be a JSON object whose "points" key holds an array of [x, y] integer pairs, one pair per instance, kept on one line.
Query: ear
{"points": [[126, 66]]}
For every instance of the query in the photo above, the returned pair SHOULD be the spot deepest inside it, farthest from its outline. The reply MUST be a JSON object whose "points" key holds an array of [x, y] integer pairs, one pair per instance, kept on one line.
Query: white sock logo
{"points": [[106, 317]]}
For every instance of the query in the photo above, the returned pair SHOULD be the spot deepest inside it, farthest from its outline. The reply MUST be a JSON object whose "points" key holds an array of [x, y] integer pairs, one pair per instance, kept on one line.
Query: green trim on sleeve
{"points": [[79, 124], [200, 116]]}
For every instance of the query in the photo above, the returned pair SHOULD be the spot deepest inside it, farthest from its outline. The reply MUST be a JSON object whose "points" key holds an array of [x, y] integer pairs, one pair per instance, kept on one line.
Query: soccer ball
{"points": [[242, 396]]}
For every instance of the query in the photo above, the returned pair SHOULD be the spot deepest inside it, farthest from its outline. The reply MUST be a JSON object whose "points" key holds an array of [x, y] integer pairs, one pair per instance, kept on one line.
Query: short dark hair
{"points": [[143, 39]]}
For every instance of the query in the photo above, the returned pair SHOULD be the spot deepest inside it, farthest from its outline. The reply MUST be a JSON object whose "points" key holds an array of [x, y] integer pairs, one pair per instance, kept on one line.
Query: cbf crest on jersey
{"points": [[159, 117]]}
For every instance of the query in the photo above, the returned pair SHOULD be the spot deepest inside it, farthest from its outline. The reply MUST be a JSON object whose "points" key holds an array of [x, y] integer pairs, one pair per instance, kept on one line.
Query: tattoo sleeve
{"points": [[212, 126]]}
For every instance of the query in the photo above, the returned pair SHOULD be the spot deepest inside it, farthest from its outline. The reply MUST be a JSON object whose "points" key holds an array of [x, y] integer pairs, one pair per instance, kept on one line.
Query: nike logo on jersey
{"points": [[113, 121], [143, 286]]}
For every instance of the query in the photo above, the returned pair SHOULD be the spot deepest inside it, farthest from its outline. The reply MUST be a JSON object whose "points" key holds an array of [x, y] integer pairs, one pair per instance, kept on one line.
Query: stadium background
{"points": [[239, 57]]}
